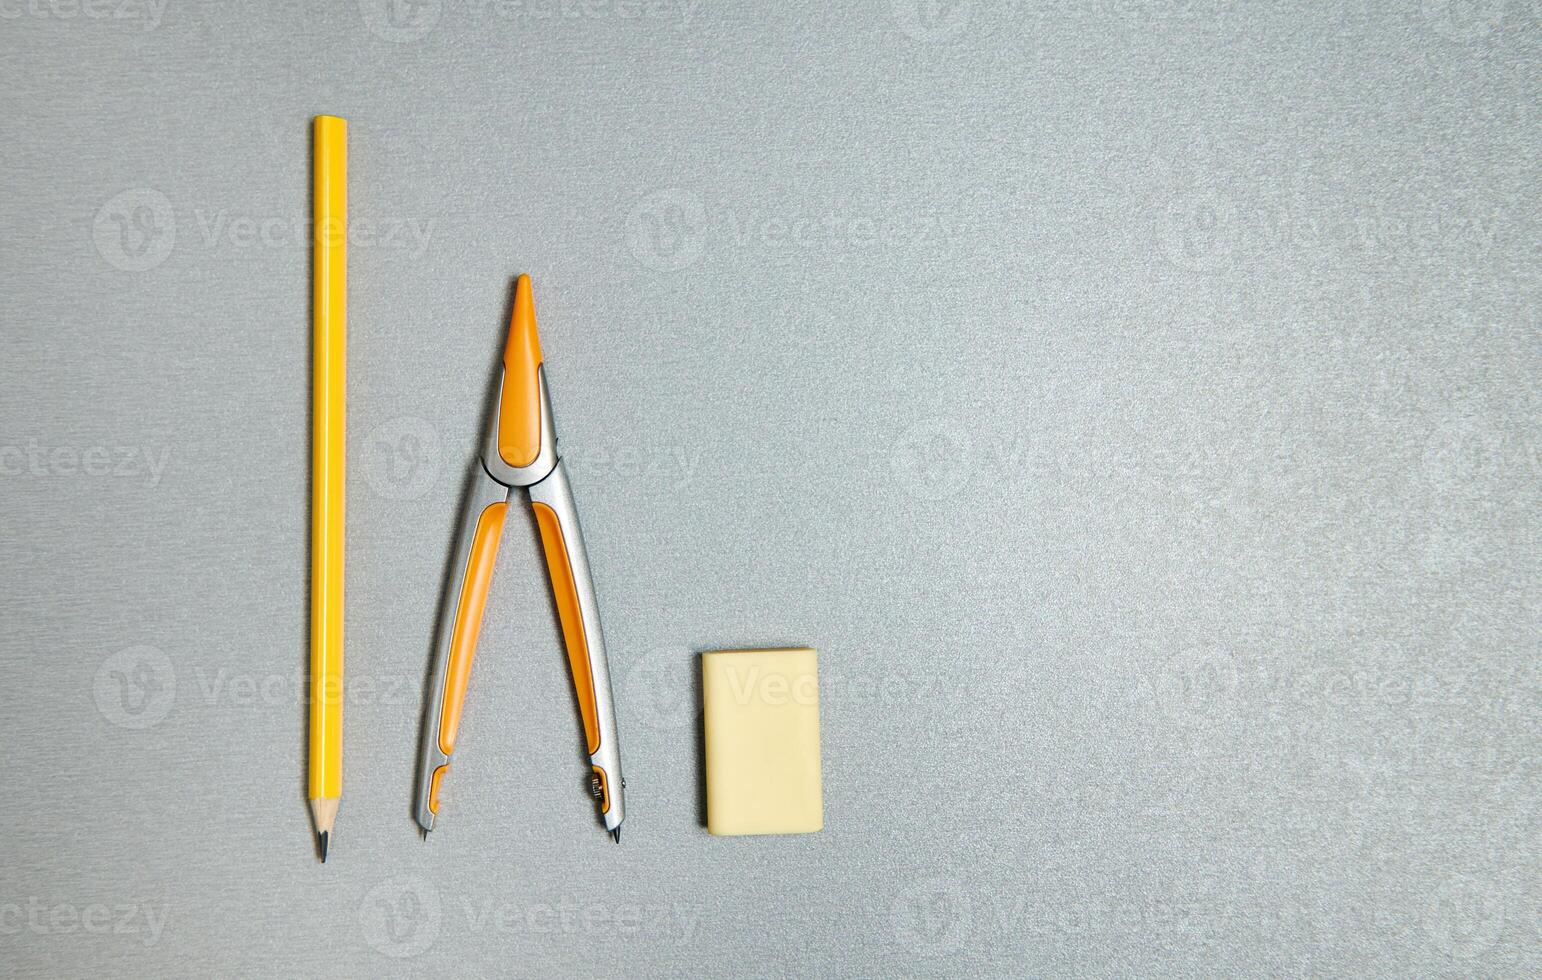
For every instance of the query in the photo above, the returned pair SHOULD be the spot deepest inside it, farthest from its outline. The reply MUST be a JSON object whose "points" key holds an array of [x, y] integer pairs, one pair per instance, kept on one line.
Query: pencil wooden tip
{"points": [[324, 811]]}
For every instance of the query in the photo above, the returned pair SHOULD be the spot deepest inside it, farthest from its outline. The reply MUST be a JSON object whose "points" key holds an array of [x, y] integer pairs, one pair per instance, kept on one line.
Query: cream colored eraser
{"points": [[761, 715]]}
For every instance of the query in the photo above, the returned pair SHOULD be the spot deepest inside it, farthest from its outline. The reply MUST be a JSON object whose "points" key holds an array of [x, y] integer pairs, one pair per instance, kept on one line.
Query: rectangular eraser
{"points": [[761, 715]]}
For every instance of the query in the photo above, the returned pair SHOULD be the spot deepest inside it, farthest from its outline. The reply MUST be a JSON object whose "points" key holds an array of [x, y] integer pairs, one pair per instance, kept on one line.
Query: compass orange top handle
{"points": [[519, 408]]}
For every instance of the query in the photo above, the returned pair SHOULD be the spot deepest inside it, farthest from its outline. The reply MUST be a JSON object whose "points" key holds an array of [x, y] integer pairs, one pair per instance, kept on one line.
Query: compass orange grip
{"points": [[603, 782], [468, 620], [519, 408], [565, 591]]}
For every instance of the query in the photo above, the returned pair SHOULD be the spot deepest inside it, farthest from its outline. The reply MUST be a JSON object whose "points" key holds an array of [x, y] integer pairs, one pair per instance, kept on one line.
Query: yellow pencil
{"points": [[329, 408]]}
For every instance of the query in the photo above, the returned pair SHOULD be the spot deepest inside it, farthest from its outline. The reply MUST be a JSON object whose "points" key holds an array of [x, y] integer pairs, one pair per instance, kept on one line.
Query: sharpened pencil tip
{"points": [[325, 837], [615, 835]]}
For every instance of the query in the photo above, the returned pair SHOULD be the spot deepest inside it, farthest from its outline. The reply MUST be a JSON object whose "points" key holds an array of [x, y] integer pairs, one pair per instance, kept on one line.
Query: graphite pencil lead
{"points": [[325, 837]]}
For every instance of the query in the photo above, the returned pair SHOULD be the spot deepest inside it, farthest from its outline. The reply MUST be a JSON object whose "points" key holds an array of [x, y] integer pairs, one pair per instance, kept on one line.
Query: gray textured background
{"points": [[1136, 402]]}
